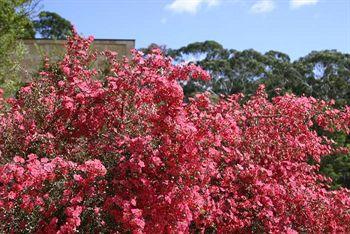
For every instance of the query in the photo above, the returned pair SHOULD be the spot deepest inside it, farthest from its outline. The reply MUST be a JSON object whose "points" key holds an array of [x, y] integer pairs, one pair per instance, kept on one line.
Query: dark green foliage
{"points": [[337, 166], [52, 26], [321, 74], [242, 71], [328, 73]]}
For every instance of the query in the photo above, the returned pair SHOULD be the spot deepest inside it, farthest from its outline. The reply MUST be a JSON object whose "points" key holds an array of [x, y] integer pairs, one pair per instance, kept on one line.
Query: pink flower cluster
{"points": [[121, 152], [42, 188]]}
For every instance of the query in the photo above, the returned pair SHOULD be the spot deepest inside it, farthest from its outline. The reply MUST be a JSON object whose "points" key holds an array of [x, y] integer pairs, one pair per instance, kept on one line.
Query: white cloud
{"points": [[263, 6], [190, 6], [299, 3]]}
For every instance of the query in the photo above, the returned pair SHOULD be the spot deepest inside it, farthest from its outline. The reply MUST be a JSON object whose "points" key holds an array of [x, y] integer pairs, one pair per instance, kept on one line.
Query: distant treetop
{"points": [[50, 25]]}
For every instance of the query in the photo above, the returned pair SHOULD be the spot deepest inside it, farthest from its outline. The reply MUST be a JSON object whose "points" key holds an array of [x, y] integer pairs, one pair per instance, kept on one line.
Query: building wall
{"points": [[55, 49]]}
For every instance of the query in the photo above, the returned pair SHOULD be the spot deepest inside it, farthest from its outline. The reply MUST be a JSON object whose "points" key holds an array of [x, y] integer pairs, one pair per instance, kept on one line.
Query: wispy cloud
{"points": [[294, 4], [263, 6], [190, 6]]}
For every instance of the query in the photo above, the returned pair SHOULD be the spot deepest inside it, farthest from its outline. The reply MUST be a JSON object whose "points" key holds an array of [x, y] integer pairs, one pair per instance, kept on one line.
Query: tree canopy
{"points": [[52, 26], [321, 74]]}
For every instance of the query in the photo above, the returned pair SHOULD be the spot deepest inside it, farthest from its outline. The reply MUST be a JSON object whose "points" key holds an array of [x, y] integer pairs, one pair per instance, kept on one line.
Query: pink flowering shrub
{"points": [[126, 154], [34, 191]]}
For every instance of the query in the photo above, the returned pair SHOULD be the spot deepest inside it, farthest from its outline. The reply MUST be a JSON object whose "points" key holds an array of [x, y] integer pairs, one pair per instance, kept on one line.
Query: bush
{"points": [[128, 155], [15, 24]]}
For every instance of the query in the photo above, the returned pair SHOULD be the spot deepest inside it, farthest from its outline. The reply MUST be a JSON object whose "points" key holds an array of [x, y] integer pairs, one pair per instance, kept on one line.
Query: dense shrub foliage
{"points": [[126, 154]]}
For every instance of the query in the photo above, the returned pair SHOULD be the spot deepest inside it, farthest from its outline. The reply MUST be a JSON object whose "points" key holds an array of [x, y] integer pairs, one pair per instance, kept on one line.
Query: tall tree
{"points": [[15, 23], [208, 54], [282, 74], [328, 73], [235, 71], [52, 26]]}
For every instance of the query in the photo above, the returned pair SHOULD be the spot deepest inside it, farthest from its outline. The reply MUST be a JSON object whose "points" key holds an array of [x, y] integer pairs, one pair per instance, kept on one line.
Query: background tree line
{"points": [[321, 74]]}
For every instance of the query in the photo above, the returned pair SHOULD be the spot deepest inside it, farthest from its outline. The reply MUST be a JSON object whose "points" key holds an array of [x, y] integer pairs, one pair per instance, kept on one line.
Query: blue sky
{"points": [[295, 27]]}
